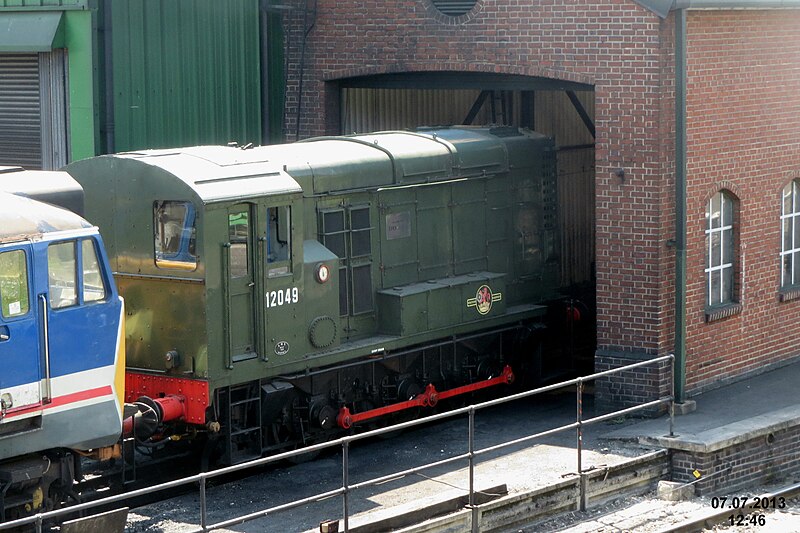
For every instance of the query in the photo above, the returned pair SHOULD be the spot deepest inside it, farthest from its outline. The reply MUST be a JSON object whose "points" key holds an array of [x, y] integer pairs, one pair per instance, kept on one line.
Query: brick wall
{"points": [[632, 387], [744, 95], [764, 459], [743, 116], [614, 45]]}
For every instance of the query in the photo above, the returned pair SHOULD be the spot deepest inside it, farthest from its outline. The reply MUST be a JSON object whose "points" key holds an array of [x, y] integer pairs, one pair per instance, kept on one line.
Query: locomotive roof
{"points": [[217, 173], [52, 186], [23, 218], [391, 158], [323, 164]]}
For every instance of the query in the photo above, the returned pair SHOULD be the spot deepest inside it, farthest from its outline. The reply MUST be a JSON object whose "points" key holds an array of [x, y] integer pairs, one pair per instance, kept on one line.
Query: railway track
{"points": [[778, 509]]}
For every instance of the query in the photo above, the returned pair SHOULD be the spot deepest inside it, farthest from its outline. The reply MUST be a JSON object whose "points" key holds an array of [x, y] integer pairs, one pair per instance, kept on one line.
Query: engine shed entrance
{"points": [[558, 108]]}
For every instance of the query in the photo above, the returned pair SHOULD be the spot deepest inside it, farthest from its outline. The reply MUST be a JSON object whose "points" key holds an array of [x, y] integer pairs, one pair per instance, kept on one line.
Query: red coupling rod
{"points": [[429, 398], [506, 377]]}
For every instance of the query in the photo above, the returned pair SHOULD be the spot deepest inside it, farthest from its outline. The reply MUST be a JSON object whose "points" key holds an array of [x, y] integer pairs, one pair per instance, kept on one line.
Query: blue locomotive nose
{"points": [[60, 340]]}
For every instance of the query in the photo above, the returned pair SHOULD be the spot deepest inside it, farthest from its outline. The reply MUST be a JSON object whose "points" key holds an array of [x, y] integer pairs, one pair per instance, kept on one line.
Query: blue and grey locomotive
{"points": [[62, 353]]}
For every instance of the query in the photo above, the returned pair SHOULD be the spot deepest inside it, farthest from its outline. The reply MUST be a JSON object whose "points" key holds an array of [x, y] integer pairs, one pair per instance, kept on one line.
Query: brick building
{"points": [[722, 128]]}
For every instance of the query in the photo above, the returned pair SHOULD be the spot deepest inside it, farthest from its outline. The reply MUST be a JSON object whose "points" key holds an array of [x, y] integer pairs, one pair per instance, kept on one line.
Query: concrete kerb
{"points": [[637, 476], [730, 434]]}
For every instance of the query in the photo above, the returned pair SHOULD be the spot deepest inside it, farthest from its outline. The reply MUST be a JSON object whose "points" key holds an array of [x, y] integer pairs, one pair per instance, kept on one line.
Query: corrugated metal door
{"points": [[53, 90], [20, 111], [364, 110]]}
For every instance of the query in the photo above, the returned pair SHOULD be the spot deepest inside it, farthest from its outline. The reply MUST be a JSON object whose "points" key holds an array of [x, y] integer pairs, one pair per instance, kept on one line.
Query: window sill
{"points": [[789, 293], [723, 311]]}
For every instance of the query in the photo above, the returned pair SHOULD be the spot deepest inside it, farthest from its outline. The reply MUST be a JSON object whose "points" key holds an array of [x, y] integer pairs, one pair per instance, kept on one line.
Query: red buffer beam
{"points": [[429, 398]]}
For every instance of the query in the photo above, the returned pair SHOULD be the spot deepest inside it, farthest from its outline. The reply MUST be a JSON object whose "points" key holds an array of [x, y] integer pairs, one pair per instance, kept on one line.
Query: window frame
{"points": [[79, 271], [75, 301], [174, 260], [725, 261], [27, 278], [100, 271], [790, 290], [275, 262], [237, 241], [446, 9]]}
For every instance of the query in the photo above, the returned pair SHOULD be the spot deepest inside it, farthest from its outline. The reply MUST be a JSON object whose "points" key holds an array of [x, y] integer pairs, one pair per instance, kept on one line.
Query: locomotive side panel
{"points": [[164, 316]]}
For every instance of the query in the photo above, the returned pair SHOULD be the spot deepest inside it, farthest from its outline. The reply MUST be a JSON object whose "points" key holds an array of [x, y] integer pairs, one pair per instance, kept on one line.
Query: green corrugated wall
{"points": [[186, 72]]}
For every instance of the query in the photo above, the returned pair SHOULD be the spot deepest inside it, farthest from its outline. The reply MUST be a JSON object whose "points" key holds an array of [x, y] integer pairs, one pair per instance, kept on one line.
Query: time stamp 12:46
{"points": [[747, 511]]}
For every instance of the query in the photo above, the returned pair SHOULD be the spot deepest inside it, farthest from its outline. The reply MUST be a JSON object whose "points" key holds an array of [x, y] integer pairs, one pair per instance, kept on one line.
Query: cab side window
{"points": [[62, 274], [174, 234], [278, 234], [278, 241], [239, 236], [94, 288], [14, 284], [65, 260]]}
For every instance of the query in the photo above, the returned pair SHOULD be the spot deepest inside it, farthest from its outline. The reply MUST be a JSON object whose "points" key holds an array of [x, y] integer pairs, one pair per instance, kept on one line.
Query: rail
{"points": [[346, 488]]}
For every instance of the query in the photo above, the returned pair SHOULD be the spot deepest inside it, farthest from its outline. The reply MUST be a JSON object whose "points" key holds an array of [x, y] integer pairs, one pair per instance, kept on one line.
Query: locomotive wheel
{"points": [[279, 431], [280, 436], [284, 433]]}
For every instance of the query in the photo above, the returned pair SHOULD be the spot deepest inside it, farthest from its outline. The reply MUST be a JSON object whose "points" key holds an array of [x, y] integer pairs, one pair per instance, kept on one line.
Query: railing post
{"points": [[672, 397], [203, 505], [471, 446], [345, 484], [39, 523], [579, 429]]}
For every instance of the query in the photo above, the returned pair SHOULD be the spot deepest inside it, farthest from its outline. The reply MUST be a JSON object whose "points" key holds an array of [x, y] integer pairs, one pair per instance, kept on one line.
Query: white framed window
{"points": [[790, 235], [720, 249]]}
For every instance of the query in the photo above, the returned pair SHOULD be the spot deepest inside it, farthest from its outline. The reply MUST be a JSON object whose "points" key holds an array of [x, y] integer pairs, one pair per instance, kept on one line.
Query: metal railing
{"points": [[346, 488]]}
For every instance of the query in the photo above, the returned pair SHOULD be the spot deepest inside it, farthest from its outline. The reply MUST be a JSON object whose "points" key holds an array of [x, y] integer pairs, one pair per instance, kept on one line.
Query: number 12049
{"points": [[282, 297]]}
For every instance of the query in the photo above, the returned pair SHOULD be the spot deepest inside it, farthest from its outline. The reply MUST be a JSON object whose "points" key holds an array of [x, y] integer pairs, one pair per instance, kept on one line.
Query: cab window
{"points": [[238, 236], [94, 288], [62, 274], [14, 283], [174, 235], [64, 262], [279, 244]]}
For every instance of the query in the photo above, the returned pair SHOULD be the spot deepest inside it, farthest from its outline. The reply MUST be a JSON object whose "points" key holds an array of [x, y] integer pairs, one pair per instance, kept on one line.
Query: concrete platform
{"points": [[741, 434]]}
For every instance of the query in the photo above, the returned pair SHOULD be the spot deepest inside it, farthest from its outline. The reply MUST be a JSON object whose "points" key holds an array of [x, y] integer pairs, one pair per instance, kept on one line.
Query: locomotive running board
{"points": [[429, 398]]}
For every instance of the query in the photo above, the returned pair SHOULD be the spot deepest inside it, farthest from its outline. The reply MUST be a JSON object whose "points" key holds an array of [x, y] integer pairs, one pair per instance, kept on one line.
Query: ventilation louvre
{"points": [[454, 8]]}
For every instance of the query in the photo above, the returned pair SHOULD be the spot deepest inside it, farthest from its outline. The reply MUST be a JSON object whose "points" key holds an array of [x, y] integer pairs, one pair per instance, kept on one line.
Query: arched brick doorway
{"points": [[559, 108]]}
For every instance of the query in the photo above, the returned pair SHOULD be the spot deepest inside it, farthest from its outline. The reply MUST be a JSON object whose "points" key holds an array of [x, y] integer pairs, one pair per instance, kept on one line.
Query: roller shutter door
{"points": [[20, 111]]}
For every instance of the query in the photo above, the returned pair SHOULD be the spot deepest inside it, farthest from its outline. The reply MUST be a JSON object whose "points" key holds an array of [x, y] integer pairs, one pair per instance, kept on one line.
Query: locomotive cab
{"points": [[207, 247]]}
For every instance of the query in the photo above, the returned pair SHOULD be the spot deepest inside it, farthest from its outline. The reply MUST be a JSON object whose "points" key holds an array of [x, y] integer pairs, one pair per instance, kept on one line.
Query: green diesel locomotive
{"points": [[277, 294]]}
